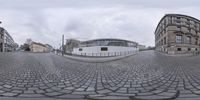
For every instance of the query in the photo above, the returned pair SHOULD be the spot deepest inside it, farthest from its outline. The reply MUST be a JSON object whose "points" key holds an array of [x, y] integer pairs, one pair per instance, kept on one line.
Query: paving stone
{"points": [[145, 75], [39, 91], [31, 95], [104, 91], [29, 92], [71, 96], [53, 94], [17, 91], [9, 94], [110, 98]]}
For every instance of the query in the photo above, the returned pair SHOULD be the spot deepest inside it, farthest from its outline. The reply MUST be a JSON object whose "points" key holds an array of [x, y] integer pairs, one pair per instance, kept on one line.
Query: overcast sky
{"points": [[46, 20]]}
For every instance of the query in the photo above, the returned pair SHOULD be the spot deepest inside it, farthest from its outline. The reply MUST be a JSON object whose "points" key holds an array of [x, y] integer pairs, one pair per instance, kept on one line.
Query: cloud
{"points": [[46, 20]]}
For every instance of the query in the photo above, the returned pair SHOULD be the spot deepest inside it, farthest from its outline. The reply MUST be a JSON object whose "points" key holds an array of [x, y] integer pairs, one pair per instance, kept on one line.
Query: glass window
{"points": [[104, 49], [179, 27], [188, 39], [178, 38], [196, 42], [80, 49], [178, 49], [165, 41]]}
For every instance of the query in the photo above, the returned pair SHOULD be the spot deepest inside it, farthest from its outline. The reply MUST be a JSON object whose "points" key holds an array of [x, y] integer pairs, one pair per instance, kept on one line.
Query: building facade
{"points": [[70, 45], [142, 47], [178, 34], [7, 43], [49, 48], [38, 47], [105, 47]]}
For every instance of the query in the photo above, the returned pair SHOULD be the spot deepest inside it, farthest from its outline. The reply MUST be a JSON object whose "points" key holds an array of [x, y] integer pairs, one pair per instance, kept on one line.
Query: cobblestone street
{"points": [[146, 75]]}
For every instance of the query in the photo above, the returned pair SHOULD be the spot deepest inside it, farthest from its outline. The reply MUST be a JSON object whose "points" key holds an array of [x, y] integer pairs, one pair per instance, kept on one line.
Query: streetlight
{"points": [[62, 45]]}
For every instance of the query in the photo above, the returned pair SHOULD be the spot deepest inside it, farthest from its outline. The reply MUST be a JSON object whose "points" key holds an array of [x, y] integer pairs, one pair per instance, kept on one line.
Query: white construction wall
{"points": [[111, 51]]}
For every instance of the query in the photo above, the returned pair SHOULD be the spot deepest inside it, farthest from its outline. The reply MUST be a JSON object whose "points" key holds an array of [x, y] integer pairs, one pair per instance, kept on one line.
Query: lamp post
{"points": [[62, 45]]}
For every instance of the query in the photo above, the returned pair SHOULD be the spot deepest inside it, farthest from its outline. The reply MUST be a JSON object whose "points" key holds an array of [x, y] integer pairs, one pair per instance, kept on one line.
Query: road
{"points": [[146, 75]]}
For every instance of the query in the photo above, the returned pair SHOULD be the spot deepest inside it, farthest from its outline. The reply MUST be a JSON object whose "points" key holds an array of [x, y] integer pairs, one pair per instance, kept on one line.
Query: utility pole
{"points": [[63, 45]]}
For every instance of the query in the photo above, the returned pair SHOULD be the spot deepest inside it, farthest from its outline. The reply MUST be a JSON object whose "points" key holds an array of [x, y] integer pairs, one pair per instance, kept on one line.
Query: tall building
{"points": [[7, 43], [178, 34]]}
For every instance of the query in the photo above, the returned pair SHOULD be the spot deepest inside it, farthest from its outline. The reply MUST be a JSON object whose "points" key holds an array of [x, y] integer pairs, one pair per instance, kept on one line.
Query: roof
{"points": [[48, 45], [108, 39], [166, 15], [2, 29], [38, 44]]}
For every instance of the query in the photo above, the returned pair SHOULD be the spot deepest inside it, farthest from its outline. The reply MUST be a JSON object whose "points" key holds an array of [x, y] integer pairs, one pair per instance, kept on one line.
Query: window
{"points": [[179, 27], [162, 42], [165, 41], [189, 29], [164, 31], [188, 40], [196, 41], [80, 49], [189, 49], [104, 49], [178, 38], [178, 49], [178, 21]]}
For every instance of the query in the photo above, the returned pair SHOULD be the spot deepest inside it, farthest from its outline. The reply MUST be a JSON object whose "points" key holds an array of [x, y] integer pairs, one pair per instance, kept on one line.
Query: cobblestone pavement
{"points": [[144, 76]]}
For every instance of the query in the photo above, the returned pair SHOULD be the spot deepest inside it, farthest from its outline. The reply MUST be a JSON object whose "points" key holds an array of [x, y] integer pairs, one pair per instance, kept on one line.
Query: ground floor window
{"points": [[188, 40], [104, 49], [178, 49], [80, 49], [178, 38], [189, 49]]}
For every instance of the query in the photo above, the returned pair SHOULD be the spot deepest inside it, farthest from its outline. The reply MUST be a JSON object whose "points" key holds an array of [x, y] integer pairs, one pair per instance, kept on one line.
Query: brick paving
{"points": [[146, 75]]}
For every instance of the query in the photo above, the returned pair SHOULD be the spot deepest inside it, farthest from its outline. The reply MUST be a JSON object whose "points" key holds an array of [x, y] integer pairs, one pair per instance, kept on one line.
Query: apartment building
{"points": [[7, 43], [177, 34]]}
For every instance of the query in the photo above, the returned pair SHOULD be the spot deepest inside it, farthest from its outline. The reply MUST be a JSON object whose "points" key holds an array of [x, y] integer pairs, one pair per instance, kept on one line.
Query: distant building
{"points": [[105, 47], [70, 45], [28, 41], [142, 47], [7, 43], [178, 34], [49, 48], [38, 47]]}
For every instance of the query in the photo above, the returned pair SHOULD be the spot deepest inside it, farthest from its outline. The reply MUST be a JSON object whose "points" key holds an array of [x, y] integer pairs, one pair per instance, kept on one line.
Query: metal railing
{"points": [[106, 54]]}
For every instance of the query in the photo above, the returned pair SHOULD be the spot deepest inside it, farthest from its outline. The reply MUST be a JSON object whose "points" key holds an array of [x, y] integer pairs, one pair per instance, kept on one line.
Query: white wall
{"points": [[112, 51]]}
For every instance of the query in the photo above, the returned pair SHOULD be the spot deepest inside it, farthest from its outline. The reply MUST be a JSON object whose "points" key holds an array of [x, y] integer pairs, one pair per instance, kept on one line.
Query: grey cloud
{"points": [[46, 20], [95, 3]]}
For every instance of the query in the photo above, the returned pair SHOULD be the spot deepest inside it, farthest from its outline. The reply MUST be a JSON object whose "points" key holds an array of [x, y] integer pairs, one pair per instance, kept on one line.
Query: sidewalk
{"points": [[96, 60]]}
